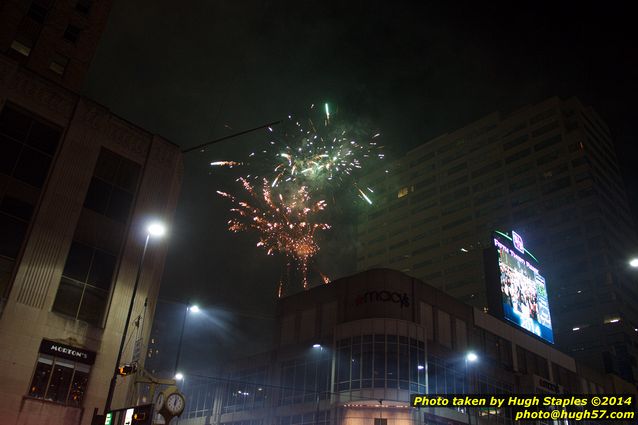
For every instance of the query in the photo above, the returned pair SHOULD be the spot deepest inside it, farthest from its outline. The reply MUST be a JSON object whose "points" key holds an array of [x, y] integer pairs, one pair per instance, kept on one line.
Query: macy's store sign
{"points": [[383, 297]]}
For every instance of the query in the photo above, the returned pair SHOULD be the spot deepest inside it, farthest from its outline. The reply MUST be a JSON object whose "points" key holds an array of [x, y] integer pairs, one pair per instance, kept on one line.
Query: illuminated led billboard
{"points": [[523, 294]]}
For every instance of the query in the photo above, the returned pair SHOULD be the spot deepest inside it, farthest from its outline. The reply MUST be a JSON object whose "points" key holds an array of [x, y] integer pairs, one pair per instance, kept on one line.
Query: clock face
{"points": [[175, 403], [159, 401]]}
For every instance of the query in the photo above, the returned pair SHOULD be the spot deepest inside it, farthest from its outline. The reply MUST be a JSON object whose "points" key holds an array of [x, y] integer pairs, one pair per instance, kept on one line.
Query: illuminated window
{"points": [[22, 47], [612, 319], [61, 374], [402, 192], [58, 63]]}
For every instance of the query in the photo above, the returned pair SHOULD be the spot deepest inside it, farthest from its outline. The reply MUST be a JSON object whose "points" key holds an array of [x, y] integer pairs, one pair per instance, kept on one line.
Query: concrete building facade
{"points": [[353, 351], [54, 38], [547, 171], [78, 185]]}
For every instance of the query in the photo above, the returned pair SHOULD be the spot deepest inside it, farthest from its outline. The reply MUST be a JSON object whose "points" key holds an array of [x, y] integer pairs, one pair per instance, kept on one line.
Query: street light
{"points": [[634, 262], [189, 309], [470, 357], [320, 355], [155, 229]]}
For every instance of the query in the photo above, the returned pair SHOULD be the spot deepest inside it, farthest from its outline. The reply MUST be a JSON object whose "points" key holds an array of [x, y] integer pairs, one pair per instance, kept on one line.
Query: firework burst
{"points": [[320, 154], [315, 157], [285, 224]]}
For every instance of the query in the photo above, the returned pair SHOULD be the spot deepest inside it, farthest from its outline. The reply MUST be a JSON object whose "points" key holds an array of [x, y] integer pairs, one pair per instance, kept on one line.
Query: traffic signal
{"points": [[143, 415], [127, 369], [139, 416]]}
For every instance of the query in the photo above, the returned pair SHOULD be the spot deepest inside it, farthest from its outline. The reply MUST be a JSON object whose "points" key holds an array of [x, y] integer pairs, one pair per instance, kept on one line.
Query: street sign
{"points": [[137, 350]]}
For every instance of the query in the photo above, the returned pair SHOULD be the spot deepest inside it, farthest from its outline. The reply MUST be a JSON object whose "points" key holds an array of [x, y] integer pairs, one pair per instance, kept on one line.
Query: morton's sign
{"points": [[66, 351]]}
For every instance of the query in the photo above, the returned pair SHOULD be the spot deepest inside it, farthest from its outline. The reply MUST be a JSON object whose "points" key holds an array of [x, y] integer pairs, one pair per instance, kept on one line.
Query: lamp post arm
{"points": [[179, 344]]}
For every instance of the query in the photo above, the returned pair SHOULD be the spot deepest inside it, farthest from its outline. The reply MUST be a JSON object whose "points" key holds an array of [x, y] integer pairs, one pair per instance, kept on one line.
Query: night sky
{"points": [[195, 71]]}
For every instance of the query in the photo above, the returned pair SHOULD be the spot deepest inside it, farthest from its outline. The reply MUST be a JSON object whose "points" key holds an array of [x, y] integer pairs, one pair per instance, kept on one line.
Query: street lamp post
{"points": [[470, 357], [192, 309], [155, 229], [319, 347]]}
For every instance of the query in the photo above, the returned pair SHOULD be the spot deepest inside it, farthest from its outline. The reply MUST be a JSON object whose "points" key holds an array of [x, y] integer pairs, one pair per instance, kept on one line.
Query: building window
{"points": [[71, 33], [316, 418], [90, 265], [58, 63], [86, 282], [403, 192], [29, 29], [113, 186], [306, 378], [38, 10], [246, 390], [200, 393], [380, 361], [546, 128], [515, 157], [380, 421], [27, 146], [61, 374], [22, 46], [84, 6]]}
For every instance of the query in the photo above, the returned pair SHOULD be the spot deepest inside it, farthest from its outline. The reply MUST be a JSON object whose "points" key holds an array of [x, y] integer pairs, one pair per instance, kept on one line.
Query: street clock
{"points": [[170, 405]]}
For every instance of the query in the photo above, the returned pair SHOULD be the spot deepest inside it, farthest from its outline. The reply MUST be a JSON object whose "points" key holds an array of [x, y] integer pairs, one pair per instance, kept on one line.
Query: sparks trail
{"points": [[321, 157], [286, 225], [230, 164]]}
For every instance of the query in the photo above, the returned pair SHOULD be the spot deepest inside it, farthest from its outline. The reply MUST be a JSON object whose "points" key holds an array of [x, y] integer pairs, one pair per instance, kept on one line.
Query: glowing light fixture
{"points": [[156, 229]]}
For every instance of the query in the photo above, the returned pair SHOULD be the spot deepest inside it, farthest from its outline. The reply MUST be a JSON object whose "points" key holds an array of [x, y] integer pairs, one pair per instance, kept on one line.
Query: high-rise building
{"points": [[547, 171], [78, 185]]}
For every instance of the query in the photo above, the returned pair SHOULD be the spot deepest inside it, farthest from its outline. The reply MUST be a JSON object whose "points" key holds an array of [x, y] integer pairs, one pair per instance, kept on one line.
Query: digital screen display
{"points": [[523, 292]]}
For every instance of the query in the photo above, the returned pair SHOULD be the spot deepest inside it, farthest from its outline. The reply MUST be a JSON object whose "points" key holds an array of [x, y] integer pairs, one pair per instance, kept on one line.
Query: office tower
{"points": [[78, 185], [548, 172]]}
